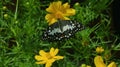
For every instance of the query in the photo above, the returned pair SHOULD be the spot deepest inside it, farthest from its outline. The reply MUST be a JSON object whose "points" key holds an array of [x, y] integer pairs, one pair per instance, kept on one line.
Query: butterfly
{"points": [[62, 29]]}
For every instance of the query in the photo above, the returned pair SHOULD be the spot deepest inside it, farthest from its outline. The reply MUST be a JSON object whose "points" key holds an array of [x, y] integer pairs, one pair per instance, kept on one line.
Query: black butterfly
{"points": [[61, 29]]}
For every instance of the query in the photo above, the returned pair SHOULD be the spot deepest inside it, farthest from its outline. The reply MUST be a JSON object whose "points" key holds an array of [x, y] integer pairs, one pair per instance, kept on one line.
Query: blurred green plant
{"points": [[22, 22]]}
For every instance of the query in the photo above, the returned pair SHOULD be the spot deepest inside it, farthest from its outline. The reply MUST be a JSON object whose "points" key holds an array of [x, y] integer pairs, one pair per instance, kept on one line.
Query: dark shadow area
{"points": [[116, 16]]}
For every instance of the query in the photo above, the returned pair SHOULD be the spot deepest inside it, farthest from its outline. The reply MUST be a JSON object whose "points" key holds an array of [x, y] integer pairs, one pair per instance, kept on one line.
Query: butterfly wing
{"points": [[61, 30]]}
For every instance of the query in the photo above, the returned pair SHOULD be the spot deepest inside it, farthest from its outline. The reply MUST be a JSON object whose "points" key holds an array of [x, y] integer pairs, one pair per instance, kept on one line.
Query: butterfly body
{"points": [[61, 30]]}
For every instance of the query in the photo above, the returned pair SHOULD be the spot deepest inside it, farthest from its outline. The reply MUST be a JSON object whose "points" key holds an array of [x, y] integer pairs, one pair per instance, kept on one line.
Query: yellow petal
{"points": [[70, 12], [49, 63], [41, 62], [112, 64], [57, 5], [58, 57], [42, 53], [50, 19], [66, 18], [50, 9], [51, 60], [54, 52], [54, 7], [98, 61], [38, 57], [66, 5]]}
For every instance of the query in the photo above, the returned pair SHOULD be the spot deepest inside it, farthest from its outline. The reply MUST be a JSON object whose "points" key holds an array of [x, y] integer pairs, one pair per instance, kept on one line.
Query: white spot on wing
{"points": [[68, 27], [56, 30]]}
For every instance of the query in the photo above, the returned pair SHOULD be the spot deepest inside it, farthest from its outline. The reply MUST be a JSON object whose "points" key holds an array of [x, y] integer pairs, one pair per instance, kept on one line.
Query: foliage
{"points": [[23, 21]]}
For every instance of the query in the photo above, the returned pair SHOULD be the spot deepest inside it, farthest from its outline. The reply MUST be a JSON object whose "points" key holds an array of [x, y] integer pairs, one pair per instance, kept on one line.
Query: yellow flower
{"points": [[47, 57], [57, 10], [98, 61], [99, 49], [112, 64]]}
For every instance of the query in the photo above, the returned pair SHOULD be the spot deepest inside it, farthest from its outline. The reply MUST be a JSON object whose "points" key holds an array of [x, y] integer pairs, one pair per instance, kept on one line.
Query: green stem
{"points": [[15, 16]]}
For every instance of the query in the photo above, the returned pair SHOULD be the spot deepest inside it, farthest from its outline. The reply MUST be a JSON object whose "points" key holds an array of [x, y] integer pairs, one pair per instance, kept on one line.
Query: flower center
{"points": [[59, 15], [49, 56]]}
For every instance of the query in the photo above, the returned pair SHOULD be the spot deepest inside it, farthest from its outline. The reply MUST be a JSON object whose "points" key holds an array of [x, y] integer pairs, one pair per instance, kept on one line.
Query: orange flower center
{"points": [[59, 15], [49, 56]]}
